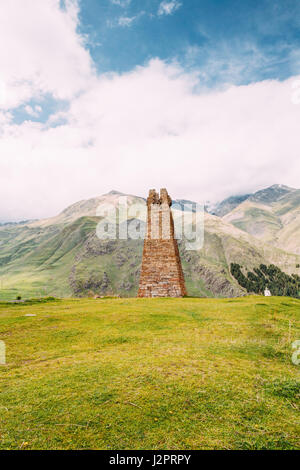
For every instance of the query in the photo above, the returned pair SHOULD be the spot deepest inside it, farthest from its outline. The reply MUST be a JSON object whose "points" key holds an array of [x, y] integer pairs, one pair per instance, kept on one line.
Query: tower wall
{"points": [[161, 273]]}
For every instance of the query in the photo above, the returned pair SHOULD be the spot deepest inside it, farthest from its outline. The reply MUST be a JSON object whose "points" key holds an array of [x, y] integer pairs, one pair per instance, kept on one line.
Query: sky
{"points": [[199, 96]]}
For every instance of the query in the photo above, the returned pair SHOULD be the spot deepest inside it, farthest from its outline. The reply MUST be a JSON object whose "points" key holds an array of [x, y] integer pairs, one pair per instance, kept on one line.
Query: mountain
{"points": [[264, 196], [62, 255], [271, 215], [272, 194], [227, 205], [22, 222], [88, 208]]}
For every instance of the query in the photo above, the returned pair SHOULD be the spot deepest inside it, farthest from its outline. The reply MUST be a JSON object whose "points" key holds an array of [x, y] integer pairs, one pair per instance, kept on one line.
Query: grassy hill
{"points": [[150, 374]]}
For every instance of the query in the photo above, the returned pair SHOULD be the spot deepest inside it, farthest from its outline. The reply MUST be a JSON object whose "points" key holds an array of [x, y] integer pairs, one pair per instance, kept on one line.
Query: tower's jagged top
{"points": [[155, 198]]}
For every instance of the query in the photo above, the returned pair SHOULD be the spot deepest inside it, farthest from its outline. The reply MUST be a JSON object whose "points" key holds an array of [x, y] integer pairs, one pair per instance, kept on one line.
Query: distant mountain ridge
{"points": [[227, 205], [267, 195], [271, 215], [272, 194], [21, 222]]}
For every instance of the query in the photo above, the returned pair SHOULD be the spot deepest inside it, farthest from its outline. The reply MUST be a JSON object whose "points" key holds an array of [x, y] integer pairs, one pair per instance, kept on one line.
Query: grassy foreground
{"points": [[150, 374]]}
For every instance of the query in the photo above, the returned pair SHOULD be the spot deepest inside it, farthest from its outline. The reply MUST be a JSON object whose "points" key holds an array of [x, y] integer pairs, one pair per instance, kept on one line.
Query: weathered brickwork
{"points": [[161, 273]]}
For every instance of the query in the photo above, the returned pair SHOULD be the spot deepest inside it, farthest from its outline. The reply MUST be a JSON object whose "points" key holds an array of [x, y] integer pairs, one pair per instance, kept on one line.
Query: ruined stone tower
{"points": [[161, 273]]}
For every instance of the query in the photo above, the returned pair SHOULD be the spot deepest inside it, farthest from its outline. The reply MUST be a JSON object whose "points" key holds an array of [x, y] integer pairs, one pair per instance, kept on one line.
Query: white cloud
{"points": [[2, 93], [133, 131], [41, 51], [168, 7], [33, 111], [126, 21], [121, 3]]}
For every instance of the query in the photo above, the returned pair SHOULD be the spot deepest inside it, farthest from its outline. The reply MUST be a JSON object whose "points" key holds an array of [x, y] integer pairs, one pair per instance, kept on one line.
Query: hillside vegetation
{"points": [[150, 374], [267, 277]]}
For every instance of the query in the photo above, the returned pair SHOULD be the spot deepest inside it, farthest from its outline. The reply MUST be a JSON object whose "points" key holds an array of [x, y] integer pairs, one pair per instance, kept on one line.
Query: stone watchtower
{"points": [[161, 273]]}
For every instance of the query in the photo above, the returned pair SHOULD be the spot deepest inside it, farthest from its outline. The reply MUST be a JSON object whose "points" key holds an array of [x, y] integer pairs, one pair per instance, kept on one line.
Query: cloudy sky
{"points": [[199, 96]]}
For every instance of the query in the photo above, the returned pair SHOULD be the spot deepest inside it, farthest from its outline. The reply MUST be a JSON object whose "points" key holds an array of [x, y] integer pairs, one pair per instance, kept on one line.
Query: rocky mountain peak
{"points": [[271, 194]]}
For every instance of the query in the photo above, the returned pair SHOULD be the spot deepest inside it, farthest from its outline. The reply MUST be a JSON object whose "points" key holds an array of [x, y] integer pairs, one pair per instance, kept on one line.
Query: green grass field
{"points": [[150, 374]]}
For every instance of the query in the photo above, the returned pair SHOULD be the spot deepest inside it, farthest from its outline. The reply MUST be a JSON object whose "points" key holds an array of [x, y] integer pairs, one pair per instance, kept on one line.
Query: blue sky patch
{"points": [[227, 40], [39, 110]]}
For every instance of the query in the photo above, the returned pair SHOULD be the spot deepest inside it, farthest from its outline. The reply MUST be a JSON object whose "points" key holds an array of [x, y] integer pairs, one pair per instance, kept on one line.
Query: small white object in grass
{"points": [[30, 315]]}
